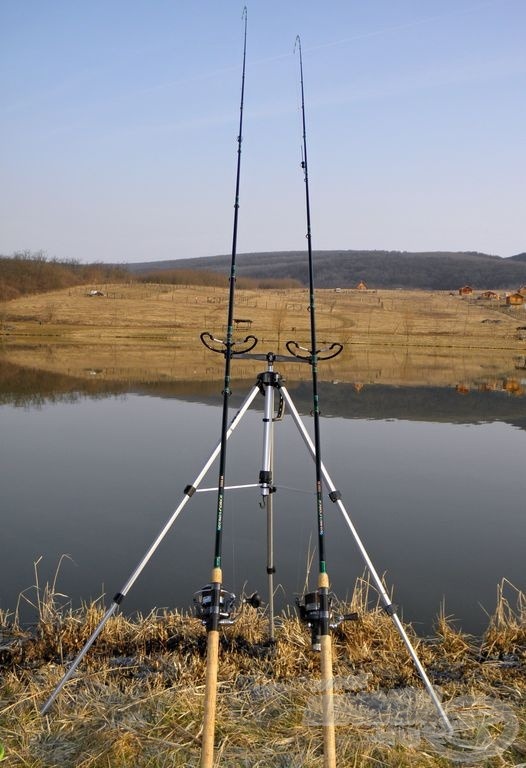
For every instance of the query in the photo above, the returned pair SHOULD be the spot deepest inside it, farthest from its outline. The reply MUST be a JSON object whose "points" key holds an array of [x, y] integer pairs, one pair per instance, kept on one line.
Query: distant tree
{"points": [[32, 272]]}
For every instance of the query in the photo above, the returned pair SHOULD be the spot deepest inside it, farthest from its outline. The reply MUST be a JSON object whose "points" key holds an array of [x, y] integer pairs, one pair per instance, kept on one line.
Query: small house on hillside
{"points": [[362, 286], [489, 295], [513, 387], [515, 300], [466, 290]]}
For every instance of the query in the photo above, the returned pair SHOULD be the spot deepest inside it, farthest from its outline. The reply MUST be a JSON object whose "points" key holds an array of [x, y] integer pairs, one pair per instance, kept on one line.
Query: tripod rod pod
{"points": [[309, 603]]}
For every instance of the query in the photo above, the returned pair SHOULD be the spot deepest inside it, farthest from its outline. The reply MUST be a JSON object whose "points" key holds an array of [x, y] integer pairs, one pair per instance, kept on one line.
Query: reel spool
{"points": [[203, 604], [309, 609]]}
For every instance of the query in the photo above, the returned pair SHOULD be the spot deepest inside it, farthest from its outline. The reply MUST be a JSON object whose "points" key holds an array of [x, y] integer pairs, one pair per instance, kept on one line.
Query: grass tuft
{"points": [[137, 699]]}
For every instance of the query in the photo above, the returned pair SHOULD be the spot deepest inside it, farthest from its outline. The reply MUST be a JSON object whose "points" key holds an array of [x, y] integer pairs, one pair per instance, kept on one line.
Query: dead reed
{"points": [[137, 698]]}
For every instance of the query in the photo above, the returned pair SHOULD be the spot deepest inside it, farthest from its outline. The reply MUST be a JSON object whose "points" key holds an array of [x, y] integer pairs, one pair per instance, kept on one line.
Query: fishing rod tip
{"points": [[297, 43], [244, 15]]}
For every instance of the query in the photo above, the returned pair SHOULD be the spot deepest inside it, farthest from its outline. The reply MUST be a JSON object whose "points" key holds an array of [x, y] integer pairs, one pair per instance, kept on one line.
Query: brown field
{"points": [[151, 331]]}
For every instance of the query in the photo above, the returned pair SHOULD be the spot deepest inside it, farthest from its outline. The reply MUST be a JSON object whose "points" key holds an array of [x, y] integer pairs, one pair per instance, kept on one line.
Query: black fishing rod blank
{"points": [[214, 613], [316, 608], [316, 605]]}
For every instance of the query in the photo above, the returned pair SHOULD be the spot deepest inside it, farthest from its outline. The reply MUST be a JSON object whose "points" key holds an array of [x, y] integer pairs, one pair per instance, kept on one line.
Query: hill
{"points": [[434, 270], [27, 273]]}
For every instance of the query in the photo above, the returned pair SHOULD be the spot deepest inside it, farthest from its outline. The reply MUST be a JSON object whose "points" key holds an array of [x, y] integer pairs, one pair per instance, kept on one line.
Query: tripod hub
{"points": [[269, 378]]}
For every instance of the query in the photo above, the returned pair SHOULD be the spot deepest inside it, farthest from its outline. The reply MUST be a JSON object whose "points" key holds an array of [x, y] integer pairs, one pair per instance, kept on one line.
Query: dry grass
{"points": [[145, 331], [138, 698], [164, 312], [507, 629]]}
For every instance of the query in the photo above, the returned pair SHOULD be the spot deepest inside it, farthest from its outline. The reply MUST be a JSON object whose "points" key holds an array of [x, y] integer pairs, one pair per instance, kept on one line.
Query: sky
{"points": [[119, 123]]}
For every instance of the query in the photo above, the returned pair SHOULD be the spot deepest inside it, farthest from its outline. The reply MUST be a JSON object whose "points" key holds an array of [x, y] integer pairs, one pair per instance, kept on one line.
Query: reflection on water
{"points": [[434, 482], [360, 365]]}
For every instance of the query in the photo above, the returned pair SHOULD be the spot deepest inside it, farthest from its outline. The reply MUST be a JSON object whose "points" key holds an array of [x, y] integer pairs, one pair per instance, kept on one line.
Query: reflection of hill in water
{"points": [[21, 386], [33, 388], [438, 404]]}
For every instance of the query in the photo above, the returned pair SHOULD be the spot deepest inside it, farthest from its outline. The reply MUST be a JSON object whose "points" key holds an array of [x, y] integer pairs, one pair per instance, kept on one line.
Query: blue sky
{"points": [[118, 125]]}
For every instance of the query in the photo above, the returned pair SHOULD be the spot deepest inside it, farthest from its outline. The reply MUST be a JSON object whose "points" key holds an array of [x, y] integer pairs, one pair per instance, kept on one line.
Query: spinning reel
{"points": [[310, 611], [204, 605]]}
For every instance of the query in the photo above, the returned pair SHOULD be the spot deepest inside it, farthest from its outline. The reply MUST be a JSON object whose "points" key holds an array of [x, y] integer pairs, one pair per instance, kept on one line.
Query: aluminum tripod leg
{"points": [[119, 597], [387, 603]]}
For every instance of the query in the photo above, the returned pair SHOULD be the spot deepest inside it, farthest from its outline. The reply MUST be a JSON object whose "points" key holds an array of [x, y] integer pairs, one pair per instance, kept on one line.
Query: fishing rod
{"points": [[213, 602], [315, 608], [222, 602]]}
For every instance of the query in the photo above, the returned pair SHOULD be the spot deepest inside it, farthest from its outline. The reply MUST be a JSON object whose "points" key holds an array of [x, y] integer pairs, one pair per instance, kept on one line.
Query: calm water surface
{"points": [[439, 505]]}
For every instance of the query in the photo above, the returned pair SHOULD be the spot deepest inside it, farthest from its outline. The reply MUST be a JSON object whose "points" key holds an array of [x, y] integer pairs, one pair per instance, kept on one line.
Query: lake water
{"points": [[434, 482]]}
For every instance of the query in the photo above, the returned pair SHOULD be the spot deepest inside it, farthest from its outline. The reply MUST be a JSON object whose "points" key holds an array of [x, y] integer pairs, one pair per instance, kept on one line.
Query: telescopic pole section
{"points": [[268, 381], [271, 569], [388, 606], [216, 579], [323, 578]]}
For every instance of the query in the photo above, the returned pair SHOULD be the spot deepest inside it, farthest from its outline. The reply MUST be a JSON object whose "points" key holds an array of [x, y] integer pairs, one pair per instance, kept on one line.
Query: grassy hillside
{"points": [[379, 269], [180, 313]]}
